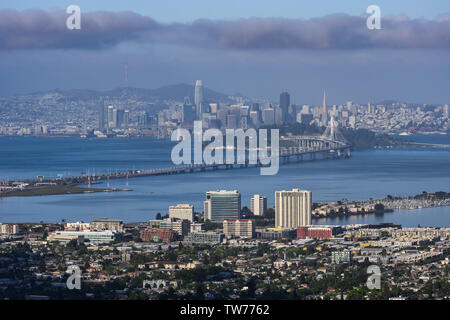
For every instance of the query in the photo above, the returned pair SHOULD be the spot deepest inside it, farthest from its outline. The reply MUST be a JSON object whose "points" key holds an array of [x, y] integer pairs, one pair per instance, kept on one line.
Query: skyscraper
{"points": [[189, 111], [232, 121], [324, 110], [255, 117], [222, 117], [255, 107], [293, 208], [446, 111], [126, 118], [120, 116], [101, 117], [279, 115], [115, 118], [145, 120], [268, 116], [258, 205], [199, 98], [110, 117], [285, 102], [221, 205]]}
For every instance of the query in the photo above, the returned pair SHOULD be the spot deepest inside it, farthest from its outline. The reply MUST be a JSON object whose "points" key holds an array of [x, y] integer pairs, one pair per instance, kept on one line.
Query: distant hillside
{"points": [[179, 91], [175, 92]]}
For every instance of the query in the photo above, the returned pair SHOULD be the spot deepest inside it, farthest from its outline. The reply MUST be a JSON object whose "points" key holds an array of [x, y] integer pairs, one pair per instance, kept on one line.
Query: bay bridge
{"points": [[330, 145]]}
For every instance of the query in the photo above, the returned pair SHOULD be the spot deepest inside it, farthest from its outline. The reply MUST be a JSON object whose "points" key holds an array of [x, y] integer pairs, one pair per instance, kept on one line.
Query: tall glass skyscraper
{"points": [[110, 115], [285, 102], [221, 205], [199, 98], [101, 117]]}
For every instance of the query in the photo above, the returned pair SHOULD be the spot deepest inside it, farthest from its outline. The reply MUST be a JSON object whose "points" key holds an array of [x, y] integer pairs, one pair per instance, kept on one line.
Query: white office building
{"points": [[182, 211], [258, 205]]}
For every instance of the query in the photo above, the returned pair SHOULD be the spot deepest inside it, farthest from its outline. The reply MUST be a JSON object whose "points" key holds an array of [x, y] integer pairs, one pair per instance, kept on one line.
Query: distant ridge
{"points": [[176, 92]]}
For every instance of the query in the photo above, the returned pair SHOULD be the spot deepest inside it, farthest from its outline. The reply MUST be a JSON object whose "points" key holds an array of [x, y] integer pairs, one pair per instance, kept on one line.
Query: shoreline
{"points": [[57, 190], [316, 219], [390, 204]]}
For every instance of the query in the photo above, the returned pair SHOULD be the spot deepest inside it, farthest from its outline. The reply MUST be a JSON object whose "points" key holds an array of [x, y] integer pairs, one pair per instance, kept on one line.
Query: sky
{"points": [[255, 47], [188, 11]]}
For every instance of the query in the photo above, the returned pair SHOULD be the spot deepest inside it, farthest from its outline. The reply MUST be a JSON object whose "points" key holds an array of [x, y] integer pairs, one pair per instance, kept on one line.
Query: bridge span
{"points": [[330, 145]]}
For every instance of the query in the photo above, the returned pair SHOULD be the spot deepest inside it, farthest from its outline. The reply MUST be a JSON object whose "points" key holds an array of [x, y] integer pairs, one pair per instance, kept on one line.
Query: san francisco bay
{"points": [[367, 174]]}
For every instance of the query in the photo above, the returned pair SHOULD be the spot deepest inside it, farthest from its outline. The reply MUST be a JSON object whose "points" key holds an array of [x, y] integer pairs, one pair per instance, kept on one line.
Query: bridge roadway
{"points": [[285, 156]]}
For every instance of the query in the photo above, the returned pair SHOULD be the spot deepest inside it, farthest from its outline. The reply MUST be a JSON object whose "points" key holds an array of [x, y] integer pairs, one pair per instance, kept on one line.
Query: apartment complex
{"points": [[293, 208], [8, 228], [258, 205]]}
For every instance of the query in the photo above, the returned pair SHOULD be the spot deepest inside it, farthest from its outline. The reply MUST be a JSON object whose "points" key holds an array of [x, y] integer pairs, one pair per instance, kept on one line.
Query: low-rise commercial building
{"points": [[94, 237], [318, 232], [158, 235], [182, 212], [181, 227], [338, 257], [106, 224], [198, 227], [204, 238], [77, 226], [277, 234]]}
